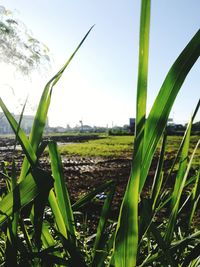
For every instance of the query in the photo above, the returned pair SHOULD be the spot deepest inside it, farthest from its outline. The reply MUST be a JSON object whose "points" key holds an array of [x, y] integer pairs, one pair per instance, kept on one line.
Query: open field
{"points": [[122, 147], [89, 163]]}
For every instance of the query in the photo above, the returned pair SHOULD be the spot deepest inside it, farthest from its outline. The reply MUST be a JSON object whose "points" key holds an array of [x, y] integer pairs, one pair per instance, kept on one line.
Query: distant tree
{"points": [[17, 45]]}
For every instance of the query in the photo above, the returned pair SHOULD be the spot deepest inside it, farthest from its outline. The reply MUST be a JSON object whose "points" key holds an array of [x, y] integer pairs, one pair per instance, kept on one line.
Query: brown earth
{"points": [[83, 174]]}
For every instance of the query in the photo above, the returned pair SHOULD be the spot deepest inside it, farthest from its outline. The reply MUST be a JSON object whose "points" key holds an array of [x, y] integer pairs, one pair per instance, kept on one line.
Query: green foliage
{"points": [[111, 146], [151, 229]]}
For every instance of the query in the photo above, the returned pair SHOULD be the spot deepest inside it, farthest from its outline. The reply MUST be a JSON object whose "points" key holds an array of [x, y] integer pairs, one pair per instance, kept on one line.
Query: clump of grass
{"points": [[46, 233]]}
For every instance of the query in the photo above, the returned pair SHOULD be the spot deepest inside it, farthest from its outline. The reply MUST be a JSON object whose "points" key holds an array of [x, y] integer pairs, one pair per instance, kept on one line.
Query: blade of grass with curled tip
{"points": [[157, 119], [126, 241], [41, 114]]}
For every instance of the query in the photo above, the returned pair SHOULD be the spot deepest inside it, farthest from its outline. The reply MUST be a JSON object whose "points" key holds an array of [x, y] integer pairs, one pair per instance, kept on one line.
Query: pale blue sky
{"points": [[100, 85]]}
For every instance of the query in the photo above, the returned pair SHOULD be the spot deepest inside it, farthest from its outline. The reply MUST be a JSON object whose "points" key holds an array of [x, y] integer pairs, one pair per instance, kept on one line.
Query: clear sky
{"points": [[99, 87]]}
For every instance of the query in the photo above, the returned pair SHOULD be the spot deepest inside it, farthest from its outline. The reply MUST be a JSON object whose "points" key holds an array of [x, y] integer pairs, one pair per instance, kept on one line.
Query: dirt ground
{"points": [[83, 174]]}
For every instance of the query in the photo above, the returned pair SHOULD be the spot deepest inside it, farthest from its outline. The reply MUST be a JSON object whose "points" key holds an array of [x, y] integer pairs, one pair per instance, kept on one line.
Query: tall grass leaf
{"points": [[21, 136], [41, 114], [163, 246], [181, 145], [62, 194], [182, 166], [158, 177], [7, 178], [175, 246], [100, 240], [19, 123], [26, 235], [157, 119], [180, 181], [84, 200], [28, 190], [47, 238], [146, 216], [195, 253], [16, 199], [40, 202], [126, 241], [12, 237], [76, 258], [173, 215], [57, 214], [194, 198]]}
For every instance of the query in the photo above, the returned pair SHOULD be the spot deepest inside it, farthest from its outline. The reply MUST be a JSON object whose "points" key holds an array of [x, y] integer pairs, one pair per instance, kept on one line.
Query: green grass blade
{"points": [[180, 148], [158, 178], [194, 199], [76, 258], [15, 199], [21, 136], [41, 114], [40, 202], [180, 179], [47, 238], [28, 190], [100, 241], [182, 166], [126, 241], [57, 214], [160, 111], [194, 254], [163, 245], [173, 216], [62, 194], [142, 72], [84, 200], [19, 123]]}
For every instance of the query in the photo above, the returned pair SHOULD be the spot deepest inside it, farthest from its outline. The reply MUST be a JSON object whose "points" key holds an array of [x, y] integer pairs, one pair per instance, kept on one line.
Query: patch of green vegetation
{"points": [[74, 134], [173, 144], [111, 146], [117, 146]]}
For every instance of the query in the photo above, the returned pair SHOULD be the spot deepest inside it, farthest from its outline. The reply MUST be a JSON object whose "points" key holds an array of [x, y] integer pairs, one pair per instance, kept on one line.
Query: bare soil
{"points": [[83, 174]]}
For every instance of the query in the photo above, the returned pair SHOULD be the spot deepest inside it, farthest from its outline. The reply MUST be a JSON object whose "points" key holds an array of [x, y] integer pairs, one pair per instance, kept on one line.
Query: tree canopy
{"points": [[18, 46]]}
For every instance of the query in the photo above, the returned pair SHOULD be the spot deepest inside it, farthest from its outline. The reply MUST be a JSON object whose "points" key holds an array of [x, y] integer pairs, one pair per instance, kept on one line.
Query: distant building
{"points": [[170, 122], [4, 125], [132, 125], [26, 123]]}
